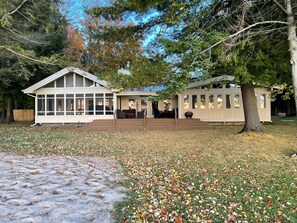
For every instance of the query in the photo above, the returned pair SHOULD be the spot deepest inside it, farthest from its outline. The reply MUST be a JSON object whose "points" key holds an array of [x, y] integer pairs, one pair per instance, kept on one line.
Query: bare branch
{"points": [[17, 8], [26, 57], [243, 30], [281, 7]]}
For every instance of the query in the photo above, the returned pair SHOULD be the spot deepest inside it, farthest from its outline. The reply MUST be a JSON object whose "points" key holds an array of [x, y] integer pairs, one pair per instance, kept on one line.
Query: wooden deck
{"points": [[147, 124]]}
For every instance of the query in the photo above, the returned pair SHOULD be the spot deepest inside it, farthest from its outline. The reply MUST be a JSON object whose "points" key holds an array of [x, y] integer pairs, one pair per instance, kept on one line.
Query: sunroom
{"points": [[71, 96]]}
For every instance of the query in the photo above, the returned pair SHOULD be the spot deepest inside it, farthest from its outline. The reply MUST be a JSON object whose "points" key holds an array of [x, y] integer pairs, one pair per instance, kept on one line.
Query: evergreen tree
{"points": [[210, 36], [32, 37]]}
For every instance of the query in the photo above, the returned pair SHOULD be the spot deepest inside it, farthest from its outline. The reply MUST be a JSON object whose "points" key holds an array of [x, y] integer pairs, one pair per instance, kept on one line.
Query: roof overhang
{"points": [[136, 93], [211, 81]]}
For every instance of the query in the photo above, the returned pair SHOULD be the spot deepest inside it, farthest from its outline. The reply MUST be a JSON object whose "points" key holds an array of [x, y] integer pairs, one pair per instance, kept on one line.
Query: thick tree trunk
{"points": [[250, 108], [293, 46]]}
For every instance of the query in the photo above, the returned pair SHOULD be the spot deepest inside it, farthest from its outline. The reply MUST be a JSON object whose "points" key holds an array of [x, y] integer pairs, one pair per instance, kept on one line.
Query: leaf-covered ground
{"points": [[184, 176]]}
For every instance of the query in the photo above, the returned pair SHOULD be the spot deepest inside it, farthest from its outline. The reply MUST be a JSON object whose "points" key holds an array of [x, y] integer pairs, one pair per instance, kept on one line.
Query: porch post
{"points": [[115, 110]]}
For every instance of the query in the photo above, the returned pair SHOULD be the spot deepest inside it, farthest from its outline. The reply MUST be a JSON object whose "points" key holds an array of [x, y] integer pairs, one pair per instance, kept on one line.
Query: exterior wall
{"points": [[219, 111]]}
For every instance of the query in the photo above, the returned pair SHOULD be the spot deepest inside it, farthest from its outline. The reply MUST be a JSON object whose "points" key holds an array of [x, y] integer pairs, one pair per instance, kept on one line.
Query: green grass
{"points": [[188, 176]]}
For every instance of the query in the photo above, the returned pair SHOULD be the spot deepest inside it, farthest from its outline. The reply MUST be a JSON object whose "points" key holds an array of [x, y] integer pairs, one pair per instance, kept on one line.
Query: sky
{"points": [[75, 9], [75, 13]]}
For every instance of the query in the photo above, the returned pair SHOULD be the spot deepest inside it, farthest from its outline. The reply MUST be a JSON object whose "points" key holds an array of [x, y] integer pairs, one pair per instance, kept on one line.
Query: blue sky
{"points": [[75, 9]]}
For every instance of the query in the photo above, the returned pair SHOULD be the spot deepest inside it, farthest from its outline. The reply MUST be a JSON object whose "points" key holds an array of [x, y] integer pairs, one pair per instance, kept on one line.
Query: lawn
{"points": [[185, 176]]}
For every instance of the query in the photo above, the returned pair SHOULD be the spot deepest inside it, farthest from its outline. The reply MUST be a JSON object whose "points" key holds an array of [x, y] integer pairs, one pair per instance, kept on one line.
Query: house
{"points": [[75, 96]]}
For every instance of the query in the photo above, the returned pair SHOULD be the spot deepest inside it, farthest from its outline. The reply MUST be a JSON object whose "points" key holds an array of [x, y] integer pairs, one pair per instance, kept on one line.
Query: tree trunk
{"points": [[9, 111], [250, 109], [293, 46], [3, 109]]}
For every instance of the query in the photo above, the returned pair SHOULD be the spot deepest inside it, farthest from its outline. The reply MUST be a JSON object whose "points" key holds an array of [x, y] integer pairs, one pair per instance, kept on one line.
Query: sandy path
{"points": [[57, 189]]}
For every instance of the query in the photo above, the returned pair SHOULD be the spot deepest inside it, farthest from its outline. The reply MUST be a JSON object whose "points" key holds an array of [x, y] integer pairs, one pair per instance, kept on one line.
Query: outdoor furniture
{"points": [[140, 114], [130, 113], [189, 114], [121, 114]]}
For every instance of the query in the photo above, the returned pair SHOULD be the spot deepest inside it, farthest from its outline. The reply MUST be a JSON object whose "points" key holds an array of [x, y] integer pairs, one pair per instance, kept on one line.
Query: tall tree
{"points": [[105, 54], [32, 36], [74, 48], [200, 30]]}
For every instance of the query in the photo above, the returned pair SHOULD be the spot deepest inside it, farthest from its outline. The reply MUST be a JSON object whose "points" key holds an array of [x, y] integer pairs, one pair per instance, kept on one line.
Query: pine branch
{"points": [[26, 57], [17, 8], [243, 30], [281, 7]]}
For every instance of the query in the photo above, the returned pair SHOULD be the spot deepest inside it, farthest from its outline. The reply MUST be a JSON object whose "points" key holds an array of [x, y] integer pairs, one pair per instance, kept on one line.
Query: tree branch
{"points": [[281, 7], [26, 57], [17, 8], [243, 30]]}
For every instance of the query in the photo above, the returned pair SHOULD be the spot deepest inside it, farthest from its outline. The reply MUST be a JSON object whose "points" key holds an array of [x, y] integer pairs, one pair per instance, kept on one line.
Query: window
{"points": [[69, 104], [202, 102], [132, 104], [60, 82], [41, 105], [220, 101], [50, 85], [186, 102], [211, 102], [263, 101], [88, 83], [99, 104], [236, 101], [79, 82], [50, 104], [108, 104], [69, 80], [90, 104], [194, 101], [80, 104], [228, 101], [60, 104]]}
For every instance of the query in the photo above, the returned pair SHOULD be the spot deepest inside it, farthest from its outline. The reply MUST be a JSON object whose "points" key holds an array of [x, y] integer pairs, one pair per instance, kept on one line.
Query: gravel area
{"points": [[58, 189]]}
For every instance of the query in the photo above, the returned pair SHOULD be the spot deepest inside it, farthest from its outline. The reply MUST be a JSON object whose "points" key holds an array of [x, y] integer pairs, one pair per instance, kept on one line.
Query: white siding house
{"points": [[73, 95], [219, 100]]}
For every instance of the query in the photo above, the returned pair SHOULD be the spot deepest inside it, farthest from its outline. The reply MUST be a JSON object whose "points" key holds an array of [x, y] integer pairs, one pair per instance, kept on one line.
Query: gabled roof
{"points": [[211, 81], [61, 73]]}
